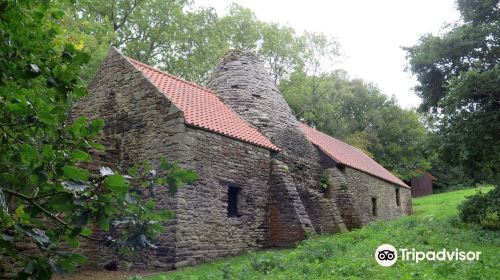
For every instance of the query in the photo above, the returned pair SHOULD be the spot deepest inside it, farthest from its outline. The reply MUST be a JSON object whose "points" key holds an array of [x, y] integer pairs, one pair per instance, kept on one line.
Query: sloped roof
{"points": [[202, 108], [348, 155]]}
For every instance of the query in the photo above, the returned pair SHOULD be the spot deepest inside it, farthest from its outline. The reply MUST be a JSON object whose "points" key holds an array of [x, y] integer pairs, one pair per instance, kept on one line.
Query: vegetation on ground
{"points": [[482, 209], [433, 226]]}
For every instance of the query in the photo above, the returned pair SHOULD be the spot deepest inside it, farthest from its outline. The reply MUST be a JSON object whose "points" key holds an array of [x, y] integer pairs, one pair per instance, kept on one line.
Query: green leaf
{"points": [[188, 176], [63, 202], [46, 118], [86, 232], [116, 183], [133, 171], [103, 222], [150, 204], [48, 152], [96, 125], [73, 242], [21, 215], [164, 164], [166, 214], [97, 146], [75, 173], [80, 156], [28, 154]]}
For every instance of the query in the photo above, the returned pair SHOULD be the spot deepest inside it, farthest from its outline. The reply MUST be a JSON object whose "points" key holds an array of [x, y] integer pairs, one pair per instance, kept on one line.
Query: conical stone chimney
{"points": [[243, 83]]}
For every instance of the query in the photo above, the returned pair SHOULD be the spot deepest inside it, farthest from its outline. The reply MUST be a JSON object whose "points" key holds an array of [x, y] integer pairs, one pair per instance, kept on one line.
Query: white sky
{"points": [[370, 32]]}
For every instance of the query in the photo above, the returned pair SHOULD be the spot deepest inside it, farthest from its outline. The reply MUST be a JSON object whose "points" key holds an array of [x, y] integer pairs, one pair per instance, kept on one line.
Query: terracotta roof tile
{"points": [[348, 155], [202, 108]]}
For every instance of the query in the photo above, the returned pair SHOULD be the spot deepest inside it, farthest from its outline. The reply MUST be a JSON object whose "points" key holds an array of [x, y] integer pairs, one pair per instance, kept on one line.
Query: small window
{"points": [[232, 201], [398, 199], [374, 206]]}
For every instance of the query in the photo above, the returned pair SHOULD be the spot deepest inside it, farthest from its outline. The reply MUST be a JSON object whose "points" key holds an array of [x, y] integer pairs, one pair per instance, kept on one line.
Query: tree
{"points": [[188, 42], [47, 196], [458, 82]]}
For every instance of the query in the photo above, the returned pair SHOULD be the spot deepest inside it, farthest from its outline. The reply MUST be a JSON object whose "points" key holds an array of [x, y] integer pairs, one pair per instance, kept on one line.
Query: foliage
{"points": [[47, 196], [350, 255], [482, 209], [325, 180], [188, 42], [458, 80]]}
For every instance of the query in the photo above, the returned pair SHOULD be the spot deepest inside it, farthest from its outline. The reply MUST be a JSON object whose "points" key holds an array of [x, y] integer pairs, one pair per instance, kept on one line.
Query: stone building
{"points": [[265, 179]]}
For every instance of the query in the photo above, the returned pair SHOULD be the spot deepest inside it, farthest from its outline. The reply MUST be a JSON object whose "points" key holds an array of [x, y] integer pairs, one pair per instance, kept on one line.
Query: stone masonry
{"points": [[248, 196], [243, 83]]}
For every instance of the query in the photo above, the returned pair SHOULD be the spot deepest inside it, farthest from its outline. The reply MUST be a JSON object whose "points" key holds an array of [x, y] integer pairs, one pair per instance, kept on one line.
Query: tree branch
{"points": [[46, 195], [10, 135], [47, 212]]}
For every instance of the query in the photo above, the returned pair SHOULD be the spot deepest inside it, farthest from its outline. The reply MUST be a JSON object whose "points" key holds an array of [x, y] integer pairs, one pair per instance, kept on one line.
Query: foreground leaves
{"points": [[47, 195]]}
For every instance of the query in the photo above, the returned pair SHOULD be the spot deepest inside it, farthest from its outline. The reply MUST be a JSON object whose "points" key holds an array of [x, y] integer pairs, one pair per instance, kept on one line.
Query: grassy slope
{"points": [[433, 226]]}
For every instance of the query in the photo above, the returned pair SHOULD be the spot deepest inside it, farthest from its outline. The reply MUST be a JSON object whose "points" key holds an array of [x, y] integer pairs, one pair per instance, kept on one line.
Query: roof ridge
{"points": [[168, 74]]}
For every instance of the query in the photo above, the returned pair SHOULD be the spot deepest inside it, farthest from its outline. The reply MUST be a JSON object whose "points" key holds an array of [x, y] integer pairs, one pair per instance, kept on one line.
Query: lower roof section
{"points": [[348, 155]]}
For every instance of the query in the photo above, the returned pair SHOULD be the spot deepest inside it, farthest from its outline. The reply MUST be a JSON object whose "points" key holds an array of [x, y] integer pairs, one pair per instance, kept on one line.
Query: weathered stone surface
{"points": [[353, 191], [243, 83], [280, 200], [141, 124], [204, 230]]}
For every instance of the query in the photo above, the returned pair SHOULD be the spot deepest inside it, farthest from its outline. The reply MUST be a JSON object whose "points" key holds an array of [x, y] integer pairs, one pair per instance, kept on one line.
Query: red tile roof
{"points": [[348, 155], [202, 108]]}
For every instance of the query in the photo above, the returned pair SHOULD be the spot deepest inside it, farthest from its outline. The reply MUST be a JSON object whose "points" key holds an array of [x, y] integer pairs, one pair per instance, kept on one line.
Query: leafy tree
{"points": [[116, 12], [242, 28], [280, 51], [458, 82], [400, 141], [188, 42], [93, 37], [47, 196]]}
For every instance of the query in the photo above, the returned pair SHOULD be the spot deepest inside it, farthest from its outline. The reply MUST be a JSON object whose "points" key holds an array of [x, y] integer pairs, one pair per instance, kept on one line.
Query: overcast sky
{"points": [[371, 33]]}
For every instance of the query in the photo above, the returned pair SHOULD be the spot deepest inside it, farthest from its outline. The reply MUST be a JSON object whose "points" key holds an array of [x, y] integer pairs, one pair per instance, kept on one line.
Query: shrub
{"points": [[265, 263], [482, 209]]}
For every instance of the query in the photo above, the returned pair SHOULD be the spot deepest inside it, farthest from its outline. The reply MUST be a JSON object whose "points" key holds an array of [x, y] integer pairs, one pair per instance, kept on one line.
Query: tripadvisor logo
{"points": [[387, 255]]}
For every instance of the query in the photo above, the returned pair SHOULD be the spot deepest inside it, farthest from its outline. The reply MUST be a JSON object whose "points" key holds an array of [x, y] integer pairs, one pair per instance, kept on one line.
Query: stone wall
{"points": [[244, 84], [147, 126], [143, 125], [353, 192], [288, 218], [204, 230]]}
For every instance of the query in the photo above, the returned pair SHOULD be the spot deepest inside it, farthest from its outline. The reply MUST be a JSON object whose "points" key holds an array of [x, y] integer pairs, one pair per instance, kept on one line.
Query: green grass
{"points": [[433, 226]]}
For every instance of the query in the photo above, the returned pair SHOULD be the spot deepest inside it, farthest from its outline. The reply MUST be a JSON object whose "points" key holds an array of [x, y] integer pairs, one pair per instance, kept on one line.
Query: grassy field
{"points": [[433, 227]]}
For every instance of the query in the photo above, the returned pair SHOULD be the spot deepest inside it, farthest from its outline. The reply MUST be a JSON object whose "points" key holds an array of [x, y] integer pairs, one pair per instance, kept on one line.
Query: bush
{"points": [[482, 209], [265, 263]]}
